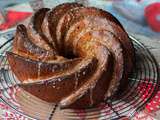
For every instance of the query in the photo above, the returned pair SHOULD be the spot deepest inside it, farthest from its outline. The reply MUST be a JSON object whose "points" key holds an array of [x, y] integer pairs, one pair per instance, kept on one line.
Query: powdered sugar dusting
{"points": [[39, 69], [76, 81]]}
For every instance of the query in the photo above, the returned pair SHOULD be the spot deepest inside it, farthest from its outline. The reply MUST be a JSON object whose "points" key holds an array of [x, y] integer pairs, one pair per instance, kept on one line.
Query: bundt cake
{"points": [[72, 55]]}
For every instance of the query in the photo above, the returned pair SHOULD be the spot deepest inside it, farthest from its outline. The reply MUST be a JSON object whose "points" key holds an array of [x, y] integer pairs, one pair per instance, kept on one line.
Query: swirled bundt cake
{"points": [[72, 55]]}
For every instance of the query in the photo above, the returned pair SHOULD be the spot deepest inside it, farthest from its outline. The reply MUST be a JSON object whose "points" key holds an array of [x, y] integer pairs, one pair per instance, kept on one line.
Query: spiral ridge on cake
{"points": [[72, 55]]}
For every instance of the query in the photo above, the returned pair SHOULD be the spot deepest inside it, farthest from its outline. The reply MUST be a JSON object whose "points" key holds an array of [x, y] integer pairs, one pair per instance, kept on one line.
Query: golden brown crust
{"points": [[109, 40], [103, 57], [112, 25], [101, 52], [106, 21], [36, 70], [23, 45], [52, 18], [63, 85], [35, 32]]}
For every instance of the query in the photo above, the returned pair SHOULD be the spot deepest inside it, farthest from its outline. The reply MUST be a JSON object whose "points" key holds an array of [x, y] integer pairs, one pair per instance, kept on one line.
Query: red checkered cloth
{"points": [[152, 14], [14, 17]]}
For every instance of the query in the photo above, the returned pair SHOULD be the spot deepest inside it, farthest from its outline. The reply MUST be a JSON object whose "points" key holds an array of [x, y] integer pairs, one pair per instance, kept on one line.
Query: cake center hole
{"points": [[69, 55]]}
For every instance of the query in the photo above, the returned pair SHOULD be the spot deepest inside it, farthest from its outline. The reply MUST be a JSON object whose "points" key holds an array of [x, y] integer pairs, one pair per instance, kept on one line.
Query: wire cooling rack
{"points": [[143, 84]]}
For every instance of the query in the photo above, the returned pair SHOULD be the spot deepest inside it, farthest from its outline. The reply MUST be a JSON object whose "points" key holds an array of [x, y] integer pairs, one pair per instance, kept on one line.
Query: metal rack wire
{"points": [[143, 84]]}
